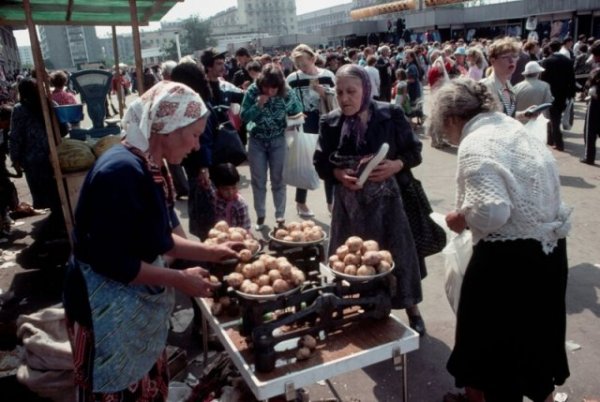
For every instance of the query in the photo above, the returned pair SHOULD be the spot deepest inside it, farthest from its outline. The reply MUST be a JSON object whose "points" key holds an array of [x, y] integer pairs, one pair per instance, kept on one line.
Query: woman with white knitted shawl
{"points": [[511, 319]]}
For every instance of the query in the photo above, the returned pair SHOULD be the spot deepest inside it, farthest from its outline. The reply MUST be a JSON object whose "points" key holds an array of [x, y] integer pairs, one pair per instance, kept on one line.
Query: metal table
{"points": [[345, 350]]}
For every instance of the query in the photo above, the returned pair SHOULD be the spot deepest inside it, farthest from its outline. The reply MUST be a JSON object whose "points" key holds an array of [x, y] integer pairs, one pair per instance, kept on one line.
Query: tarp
{"points": [[83, 12]]}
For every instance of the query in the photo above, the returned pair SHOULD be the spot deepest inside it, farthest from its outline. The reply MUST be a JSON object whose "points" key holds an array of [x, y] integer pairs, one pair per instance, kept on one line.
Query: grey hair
{"points": [[168, 66], [463, 98]]}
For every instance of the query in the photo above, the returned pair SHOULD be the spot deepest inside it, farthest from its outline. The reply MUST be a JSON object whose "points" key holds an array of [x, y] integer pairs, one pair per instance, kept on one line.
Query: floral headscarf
{"points": [[163, 109], [353, 126]]}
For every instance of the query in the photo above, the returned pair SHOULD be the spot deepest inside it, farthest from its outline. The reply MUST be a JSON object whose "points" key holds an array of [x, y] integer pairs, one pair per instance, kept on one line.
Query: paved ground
{"points": [[429, 381]]}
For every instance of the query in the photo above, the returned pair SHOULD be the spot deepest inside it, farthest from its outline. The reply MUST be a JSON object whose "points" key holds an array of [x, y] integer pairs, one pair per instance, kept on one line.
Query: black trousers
{"points": [[555, 136], [591, 130]]}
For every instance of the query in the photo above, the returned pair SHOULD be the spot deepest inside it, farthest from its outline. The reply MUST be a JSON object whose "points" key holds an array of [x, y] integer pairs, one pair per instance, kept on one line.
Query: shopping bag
{"points": [[538, 127], [457, 254], [299, 170], [568, 115]]}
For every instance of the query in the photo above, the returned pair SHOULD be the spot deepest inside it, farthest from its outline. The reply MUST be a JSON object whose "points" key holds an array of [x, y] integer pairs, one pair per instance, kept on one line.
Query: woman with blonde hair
{"points": [[312, 85], [476, 62]]}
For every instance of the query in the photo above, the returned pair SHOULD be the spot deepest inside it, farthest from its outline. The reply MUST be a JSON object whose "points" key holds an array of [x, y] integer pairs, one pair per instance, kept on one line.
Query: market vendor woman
{"points": [[118, 292]]}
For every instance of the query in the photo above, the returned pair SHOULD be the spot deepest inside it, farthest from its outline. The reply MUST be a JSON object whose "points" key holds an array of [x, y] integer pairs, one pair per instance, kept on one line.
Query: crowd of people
{"points": [[354, 100]]}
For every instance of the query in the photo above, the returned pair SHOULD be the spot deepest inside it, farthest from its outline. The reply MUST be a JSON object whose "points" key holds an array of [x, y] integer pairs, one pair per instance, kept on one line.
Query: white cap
{"points": [[533, 67]]}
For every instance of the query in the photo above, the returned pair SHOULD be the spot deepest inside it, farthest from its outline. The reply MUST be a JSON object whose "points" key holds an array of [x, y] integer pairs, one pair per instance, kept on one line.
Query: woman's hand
{"points": [[386, 169], [456, 222], [347, 178], [320, 89], [262, 99], [225, 251], [196, 282]]}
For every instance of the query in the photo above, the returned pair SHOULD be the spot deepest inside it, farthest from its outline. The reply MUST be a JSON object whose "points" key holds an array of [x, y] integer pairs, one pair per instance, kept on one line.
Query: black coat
{"points": [[387, 124], [560, 74]]}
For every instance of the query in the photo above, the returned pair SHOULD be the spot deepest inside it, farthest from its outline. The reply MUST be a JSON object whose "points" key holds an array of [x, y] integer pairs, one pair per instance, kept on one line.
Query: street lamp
{"points": [[177, 45]]}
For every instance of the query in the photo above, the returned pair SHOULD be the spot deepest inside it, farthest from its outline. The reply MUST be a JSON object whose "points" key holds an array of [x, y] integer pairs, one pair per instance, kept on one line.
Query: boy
{"points": [[228, 203]]}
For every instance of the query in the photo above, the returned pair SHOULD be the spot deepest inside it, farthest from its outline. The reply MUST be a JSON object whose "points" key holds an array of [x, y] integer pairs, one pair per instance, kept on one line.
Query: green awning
{"points": [[83, 12]]}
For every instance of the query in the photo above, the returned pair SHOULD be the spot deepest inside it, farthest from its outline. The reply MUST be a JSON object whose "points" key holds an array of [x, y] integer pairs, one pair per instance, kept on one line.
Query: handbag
{"points": [[429, 237], [227, 146]]}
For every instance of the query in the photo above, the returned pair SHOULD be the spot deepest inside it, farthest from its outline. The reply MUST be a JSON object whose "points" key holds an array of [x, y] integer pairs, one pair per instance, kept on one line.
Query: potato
{"points": [[213, 233], [266, 290], [354, 244], [370, 245], [258, 267], [372, 258], [333, 259], [234, 279], [288, 238], [239, 267], [281, 233], [251, 289], [297, 235], [307, 224], [245, 284], [236, 236], [384, 266], [298, 277], [365, 270], [350, 270], [285, 269], [294, 226], [386, 256], [214, 279], [252, 245], [352, 259], [274, 274], [339, 266], [270, 262], [245, 255], [225, 301], [303, 353], [222, 238], [308, 341], [263, 280], [222, 226], [342, 251], [314, 236], [280, 286], [248, 271]]}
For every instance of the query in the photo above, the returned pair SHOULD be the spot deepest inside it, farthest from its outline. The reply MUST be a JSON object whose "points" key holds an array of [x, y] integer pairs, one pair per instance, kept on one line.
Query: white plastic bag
{"points": [[567, 116], [457, 254], [538, 127], [299, 170]]}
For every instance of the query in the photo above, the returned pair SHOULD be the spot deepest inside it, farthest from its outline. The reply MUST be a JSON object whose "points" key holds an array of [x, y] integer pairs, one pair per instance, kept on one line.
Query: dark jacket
{"points": [[387, 124], [560, 74]]}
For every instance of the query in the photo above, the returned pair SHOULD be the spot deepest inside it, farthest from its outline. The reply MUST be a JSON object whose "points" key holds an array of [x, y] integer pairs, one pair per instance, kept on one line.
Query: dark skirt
{"points": [[511, 320], [376, 213], [153, 387]]}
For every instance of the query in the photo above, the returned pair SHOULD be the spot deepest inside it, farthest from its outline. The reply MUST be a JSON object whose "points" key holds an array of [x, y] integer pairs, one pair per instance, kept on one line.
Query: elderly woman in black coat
{"points": [[374, 210]]}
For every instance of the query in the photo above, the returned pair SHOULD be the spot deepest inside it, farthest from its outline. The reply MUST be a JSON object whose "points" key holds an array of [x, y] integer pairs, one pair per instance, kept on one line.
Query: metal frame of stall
{"points": [[79, 12]]}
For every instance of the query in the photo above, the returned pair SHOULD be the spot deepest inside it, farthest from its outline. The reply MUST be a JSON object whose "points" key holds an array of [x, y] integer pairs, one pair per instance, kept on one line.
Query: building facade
{"points": [[314, 21], [9, 53], [26, 56], [68, 47]]}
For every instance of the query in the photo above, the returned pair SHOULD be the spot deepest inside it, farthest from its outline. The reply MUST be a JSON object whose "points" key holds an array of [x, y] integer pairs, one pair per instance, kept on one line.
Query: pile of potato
{"points": [[300, 232], [306, 345], [358, 257], [265, 276], [222, 233]]}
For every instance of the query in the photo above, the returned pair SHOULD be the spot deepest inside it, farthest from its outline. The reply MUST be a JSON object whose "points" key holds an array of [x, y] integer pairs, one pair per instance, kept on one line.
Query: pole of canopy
{"points": [[53, 135], [117, 71], [137, 47]]}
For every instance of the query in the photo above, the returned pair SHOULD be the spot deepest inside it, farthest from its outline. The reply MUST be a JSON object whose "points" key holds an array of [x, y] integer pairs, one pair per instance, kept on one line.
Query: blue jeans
{"points": [[263, 155]]}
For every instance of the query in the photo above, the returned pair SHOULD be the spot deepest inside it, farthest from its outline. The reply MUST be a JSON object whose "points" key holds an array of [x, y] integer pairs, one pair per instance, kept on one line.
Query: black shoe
{"points": [[260, 223], [582, 160], [416, 322]]}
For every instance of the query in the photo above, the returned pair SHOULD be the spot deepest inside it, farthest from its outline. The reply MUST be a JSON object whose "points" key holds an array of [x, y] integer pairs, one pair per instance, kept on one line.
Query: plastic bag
{"points": [[567, 116], [457, 254], [299, 170], [538, 128]]}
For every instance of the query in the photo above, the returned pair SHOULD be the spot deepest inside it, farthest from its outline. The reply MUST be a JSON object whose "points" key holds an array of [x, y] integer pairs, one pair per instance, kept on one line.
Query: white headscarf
{"points": [[163, 109]]}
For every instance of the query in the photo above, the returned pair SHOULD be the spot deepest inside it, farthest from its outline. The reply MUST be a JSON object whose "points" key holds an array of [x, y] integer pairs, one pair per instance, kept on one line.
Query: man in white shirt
{"points": [[580, 41], [567, 45], [373, 73]]}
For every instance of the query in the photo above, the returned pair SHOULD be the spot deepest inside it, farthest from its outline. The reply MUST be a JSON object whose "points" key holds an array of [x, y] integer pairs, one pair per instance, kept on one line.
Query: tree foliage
{"points": [[196, 36], [169, 50]]}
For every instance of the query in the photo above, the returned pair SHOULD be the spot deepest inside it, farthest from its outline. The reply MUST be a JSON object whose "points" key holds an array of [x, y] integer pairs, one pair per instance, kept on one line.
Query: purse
{"points": [[227, 146], [429, 237]]}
